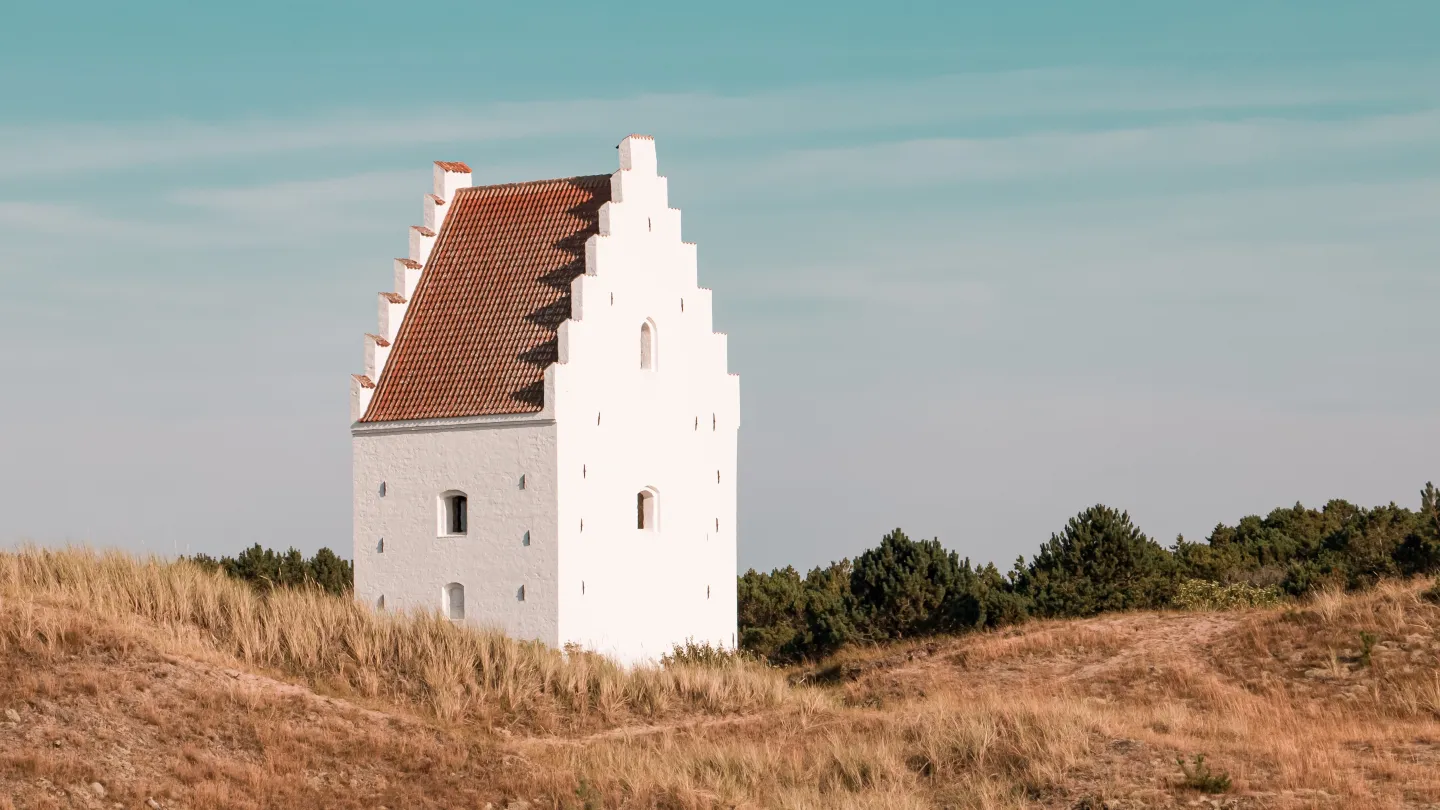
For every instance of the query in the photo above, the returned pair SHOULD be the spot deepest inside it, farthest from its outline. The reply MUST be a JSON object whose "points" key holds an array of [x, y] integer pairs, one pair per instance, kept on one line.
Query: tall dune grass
{"points": [[337, 644]]}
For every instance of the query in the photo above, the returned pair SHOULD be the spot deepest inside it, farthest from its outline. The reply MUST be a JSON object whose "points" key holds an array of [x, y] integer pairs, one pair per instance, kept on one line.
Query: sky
{"points": [[982, 265]]}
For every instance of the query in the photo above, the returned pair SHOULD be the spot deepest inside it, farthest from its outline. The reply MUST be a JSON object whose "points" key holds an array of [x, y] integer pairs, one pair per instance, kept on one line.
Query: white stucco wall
{"points": [[624, 591], [484, 458]]}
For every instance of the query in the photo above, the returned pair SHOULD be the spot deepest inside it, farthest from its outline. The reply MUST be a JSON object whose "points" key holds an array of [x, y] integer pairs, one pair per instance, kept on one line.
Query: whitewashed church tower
{"points": [[544, 436]]}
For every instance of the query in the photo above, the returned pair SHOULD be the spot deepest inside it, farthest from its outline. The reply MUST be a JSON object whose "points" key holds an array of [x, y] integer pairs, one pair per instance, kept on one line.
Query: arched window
{"points": [[454, 509], [647, 513], [455, 602], [648, 346]]}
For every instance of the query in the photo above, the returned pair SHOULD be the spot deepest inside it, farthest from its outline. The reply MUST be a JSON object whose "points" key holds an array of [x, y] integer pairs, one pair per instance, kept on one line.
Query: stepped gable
{"points": [[480, 329]]}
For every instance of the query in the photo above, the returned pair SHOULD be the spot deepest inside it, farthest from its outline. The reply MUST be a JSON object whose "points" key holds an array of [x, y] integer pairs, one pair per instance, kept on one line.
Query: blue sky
{"points": [[982, 265]]}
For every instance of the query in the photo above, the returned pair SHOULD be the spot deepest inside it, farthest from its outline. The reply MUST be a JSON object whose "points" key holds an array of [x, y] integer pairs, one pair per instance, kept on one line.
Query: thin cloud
{"points": [[68, 148], [1186, 146]]}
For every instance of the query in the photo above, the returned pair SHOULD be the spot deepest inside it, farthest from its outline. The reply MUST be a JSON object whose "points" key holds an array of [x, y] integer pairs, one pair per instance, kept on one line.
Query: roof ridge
{"points": [[527, 183]]}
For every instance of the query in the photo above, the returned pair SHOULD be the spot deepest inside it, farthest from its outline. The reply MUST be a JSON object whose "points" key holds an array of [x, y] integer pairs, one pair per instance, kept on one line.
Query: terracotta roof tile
{"points": [[424, 231], [410, 263], [363, 380], [379, 341], [481, 328], [453, 166], [393, 297]]}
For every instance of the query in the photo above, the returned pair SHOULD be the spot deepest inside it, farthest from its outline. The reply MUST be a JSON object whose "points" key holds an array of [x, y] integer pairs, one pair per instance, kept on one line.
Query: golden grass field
{"points": [[130, 683]]}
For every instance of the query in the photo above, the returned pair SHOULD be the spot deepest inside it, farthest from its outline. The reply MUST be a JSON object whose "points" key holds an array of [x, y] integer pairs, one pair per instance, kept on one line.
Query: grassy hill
{"points": [[136, 683]]}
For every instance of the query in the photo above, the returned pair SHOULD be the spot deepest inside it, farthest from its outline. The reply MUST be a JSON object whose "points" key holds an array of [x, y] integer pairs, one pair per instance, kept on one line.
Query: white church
{"points": [[544, 437]]}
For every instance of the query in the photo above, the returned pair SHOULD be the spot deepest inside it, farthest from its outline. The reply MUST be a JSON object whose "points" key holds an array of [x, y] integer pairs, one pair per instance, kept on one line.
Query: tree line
{"points": [[265, 568], [1099, 562]]}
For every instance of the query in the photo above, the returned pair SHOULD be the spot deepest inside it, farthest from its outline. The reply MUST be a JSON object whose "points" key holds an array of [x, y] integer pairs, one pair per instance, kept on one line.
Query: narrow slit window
{"points": [[647, 346], [455, 602], [522, 481], [525, 539], [520, 594], [380, 603], [645, 514], [454, 517], [382, 489], [380, 546]]}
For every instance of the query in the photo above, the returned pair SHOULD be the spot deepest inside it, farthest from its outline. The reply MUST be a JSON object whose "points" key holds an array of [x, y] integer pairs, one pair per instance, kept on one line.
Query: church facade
{"points": [[544, 438]]}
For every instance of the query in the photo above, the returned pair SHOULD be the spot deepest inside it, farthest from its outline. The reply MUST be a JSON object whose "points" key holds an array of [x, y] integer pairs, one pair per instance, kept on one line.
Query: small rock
{"points": [[152, 804], [98, 789], [56, 743], [234, 673], [12, 715]]}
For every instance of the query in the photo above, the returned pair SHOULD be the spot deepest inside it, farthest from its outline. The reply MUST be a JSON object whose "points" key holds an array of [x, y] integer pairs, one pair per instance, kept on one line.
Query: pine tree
{"points": [[906, 588], [1420, 552], [1100, 562]]}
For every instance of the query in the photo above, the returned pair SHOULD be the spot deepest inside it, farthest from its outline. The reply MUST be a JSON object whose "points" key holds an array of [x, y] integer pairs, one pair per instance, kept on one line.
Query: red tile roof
{"points": [[480, 329], [453, 166]]}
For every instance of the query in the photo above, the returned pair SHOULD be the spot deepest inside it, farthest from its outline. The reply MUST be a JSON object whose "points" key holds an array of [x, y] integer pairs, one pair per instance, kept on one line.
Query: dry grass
{"points": [[340, 646], [161, 681]]}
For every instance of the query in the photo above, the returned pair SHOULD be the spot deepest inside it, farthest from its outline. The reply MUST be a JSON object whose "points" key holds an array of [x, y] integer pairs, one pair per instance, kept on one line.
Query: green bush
{"points": [[786, 618], [903, 588], [701, 654], [1202, 594], [265, 569], [1198, 776], [1099, 563]]}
